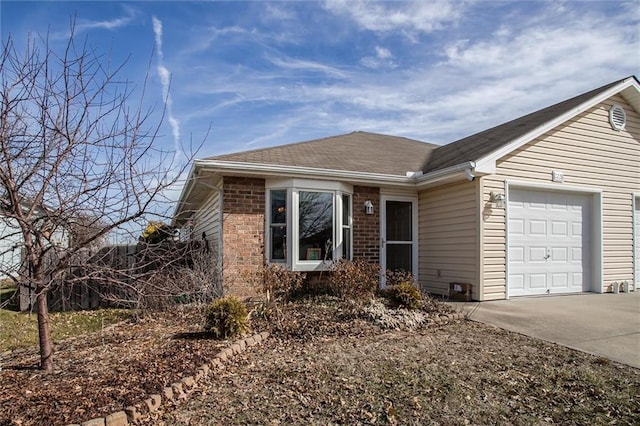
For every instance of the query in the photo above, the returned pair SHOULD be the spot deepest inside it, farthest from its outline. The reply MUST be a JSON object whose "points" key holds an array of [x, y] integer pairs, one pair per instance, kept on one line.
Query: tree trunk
{"points": [[46, 350]]}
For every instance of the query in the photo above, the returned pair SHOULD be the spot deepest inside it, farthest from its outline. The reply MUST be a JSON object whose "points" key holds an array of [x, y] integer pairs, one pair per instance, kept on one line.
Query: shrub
{"points": [[278, 283], [393, 319], [403, 295], [356, 280], [226, 317], [398, 276], [157, 232]]}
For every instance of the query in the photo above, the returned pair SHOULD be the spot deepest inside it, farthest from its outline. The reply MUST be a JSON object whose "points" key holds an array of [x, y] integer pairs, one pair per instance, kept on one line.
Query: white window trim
{"points": [[267, 238], [293, 187]]}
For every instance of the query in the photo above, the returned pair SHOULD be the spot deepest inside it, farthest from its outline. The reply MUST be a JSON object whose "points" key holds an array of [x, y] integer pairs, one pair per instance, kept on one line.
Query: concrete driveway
{"points": [[607, 325]]}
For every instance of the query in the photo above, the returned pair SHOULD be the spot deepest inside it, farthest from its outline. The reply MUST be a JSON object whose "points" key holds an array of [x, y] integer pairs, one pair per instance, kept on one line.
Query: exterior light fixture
{"points": [[368, 207], [497, 199]]}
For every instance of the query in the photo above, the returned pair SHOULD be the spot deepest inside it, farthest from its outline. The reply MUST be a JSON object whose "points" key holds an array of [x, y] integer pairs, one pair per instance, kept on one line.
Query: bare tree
{"points": [[77, 152]]}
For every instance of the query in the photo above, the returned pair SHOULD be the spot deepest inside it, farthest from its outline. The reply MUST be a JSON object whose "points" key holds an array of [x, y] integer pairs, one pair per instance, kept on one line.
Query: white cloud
{"points": [[382, 59], [383, 53], [306, 66], [109, 24], [420, 16], [165, 82], [514, 66]]}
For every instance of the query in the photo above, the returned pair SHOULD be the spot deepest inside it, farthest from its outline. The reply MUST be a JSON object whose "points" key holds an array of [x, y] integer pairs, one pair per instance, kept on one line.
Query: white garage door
{"points": [[637, 241], [549, 240]]}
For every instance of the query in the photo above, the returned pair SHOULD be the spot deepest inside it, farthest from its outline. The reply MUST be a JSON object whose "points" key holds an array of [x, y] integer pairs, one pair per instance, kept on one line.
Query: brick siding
{"points": [[366, 227], [243, 208]]}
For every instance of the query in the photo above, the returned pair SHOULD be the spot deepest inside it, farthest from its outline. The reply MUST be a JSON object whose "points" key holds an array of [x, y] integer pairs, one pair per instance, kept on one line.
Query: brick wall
{"points": [[243, 208], [366, 228]]}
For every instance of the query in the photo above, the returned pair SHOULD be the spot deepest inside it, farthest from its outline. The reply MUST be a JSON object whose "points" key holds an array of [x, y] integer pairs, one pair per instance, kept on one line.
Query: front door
{"points": [[399, 234]]}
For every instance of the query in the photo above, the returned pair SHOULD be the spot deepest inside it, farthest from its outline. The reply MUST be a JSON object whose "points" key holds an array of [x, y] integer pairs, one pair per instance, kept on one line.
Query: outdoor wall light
{"points": [[368, 207], [497, 199]]}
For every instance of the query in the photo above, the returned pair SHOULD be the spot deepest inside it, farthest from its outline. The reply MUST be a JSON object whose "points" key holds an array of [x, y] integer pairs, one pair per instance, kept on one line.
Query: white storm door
{"points": [[549, 242], [398, 224]]}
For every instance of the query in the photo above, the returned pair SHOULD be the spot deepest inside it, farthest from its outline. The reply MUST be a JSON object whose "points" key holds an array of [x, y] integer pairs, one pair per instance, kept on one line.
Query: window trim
{"points": [[269, 225], [293, 188]]}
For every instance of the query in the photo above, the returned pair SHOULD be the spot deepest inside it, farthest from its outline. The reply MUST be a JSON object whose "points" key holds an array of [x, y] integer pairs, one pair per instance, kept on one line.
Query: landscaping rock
{"points": [[133, 414], [188, 383], [117, 419], [178, 392], [153, 403], [99, 421], [168, 393]]}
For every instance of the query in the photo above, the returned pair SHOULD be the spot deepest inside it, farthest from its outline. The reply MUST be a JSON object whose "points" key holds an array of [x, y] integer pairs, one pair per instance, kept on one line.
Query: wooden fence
{"points": [[110, 277]]}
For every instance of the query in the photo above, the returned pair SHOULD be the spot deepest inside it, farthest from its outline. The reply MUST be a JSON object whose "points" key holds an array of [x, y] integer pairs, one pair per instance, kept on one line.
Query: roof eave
{"points": [[186, 191], [272, 170]]}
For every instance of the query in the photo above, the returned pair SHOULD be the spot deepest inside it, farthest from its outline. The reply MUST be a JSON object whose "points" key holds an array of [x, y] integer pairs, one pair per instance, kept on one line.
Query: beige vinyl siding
{"points": [[448, 237], [207, 219], [591, 155]]}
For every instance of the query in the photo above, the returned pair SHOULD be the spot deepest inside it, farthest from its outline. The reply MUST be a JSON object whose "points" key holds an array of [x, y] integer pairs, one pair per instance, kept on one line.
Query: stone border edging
{"points": [[444, 318], [175, 392]]}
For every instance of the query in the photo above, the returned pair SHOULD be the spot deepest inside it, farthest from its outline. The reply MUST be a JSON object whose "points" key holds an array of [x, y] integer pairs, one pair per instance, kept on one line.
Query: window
{"points": [[315, 225], [346, 226], [278, 226], [309, 223]]}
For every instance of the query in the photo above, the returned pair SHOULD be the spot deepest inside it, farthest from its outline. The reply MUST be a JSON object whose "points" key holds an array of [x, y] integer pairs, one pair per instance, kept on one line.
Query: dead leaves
{"points": [[103, 372]]}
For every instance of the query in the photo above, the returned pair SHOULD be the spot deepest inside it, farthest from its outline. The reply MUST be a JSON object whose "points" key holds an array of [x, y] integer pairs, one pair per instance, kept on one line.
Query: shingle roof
{"points": [[384, 154], [474, 147], [357, 151]]}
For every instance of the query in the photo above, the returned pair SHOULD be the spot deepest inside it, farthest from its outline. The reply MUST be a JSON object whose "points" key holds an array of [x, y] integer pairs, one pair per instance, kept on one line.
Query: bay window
{"points": [[309, 223]]}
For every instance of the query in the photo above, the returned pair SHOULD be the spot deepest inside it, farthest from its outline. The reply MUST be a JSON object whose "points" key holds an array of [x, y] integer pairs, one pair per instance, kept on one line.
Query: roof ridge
{"points": [[325, 138]]}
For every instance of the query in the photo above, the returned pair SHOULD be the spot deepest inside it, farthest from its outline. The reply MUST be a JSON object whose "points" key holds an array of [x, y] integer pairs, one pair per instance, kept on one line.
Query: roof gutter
{"points": [[415, 180], [467, 169], [256, 169]]}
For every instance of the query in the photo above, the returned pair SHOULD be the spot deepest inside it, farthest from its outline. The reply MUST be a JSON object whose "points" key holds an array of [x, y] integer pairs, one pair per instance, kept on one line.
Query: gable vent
{"points": [[617, 117]]}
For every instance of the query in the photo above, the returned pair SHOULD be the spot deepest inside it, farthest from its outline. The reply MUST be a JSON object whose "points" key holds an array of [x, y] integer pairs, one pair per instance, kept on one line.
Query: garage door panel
{"points": [[577, 278], [537, 281], [559, 280], [559, 254], [636, 224], [537, 228], [516, 227], [576, 229], [538, 254], [576, 254], [551, 229], [516, 254], [516, 281], [559, 228]]}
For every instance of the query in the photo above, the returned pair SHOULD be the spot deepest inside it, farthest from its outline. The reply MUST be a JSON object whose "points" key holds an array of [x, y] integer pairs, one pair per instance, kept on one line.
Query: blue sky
{"points": [[260, 74]]}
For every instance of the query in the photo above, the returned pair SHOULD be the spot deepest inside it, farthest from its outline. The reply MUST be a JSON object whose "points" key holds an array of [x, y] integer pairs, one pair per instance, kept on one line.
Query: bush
{"points": [[398, 277], [226, 317], [403, 295], [278, 283], [356, 280]]}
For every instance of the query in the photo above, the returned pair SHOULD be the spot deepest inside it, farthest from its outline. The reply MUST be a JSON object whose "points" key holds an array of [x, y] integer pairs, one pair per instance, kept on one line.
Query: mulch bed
{"points": [[101, 373], [324, 363]]}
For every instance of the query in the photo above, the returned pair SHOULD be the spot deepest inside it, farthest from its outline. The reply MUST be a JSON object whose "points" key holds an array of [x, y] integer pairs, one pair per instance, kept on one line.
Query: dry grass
{"points": [[20, 330]]}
